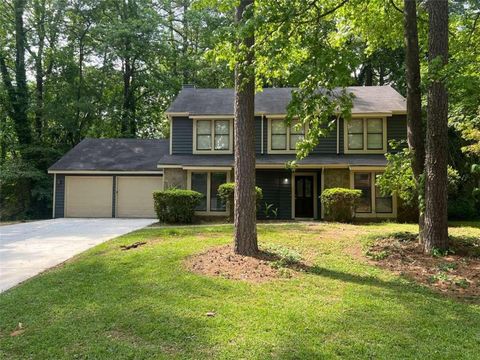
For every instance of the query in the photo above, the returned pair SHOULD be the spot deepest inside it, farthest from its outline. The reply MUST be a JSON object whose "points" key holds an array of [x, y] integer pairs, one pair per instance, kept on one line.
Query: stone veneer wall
{"points": [[337, 178], [174, 178]]}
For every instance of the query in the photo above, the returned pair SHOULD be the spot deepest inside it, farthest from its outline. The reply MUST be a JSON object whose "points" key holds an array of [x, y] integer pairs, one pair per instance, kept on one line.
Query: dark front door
{"points": [[304, 196]]}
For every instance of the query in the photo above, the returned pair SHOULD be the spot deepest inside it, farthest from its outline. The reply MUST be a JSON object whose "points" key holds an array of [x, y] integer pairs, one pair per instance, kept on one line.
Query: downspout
{"points": [[54, 193], [322, 187], [338, 137]]}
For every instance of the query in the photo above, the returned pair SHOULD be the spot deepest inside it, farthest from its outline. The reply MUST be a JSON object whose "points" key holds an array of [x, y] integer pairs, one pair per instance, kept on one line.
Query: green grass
{"points": [[143, 304]]}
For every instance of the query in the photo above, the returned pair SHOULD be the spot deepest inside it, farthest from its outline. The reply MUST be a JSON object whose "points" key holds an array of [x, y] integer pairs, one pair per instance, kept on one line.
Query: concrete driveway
{"points": [[30, 248]]}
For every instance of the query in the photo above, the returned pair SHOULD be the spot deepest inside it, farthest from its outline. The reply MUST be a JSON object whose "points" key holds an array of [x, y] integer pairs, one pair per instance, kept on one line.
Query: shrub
{"points": [[176, 205], [226, 192], [339, 203], [462, 208]]}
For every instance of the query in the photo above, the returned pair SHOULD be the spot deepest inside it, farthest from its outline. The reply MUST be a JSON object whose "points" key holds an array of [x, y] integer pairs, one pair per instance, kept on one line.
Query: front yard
{"points": [[143, 303]]}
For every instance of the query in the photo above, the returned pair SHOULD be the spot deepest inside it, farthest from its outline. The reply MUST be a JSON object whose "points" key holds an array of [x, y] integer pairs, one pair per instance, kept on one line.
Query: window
{"points": [[212, 136], [283, 138], [207, 184], [366, 135], [372, 201]]}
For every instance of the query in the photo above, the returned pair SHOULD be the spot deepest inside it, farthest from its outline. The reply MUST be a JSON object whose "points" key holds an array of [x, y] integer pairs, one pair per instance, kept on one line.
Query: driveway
{"points": [[30, 248]]}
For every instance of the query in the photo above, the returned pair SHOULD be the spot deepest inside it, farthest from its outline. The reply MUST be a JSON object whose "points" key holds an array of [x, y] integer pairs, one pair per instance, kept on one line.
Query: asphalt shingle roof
{"points": [[312, 159], [367, 99], [113, 155]]}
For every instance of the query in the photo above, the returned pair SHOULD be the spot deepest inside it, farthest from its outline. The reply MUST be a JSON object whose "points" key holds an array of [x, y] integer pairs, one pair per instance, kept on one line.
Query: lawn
{"points": [[143, 303]]}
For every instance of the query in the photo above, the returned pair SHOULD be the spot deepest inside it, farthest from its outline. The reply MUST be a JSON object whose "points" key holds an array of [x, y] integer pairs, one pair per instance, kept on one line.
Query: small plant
{"points": [[286, 257], [377, 256], [339, 203], [441, 276], [441, 253], [270, 210], [463, 283], [447, 266], [176, 205]]}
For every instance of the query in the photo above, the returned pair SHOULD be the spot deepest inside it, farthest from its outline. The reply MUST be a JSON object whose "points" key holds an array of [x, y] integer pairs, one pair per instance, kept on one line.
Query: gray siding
{"points": [[396, 129], [258, 134], [182, 135], [275, 192], [265, 136], [340, 141], [60, 196], [328, 144]]}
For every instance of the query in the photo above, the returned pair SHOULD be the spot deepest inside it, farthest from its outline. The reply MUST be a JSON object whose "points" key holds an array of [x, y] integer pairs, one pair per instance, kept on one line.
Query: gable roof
{"points": [[113, 155], [274, 101]]}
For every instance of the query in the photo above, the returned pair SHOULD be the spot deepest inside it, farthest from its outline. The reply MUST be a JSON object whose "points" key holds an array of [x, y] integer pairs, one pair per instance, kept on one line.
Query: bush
{"points": [[339, 203], [175, 205], [226, 192], [462, 208]]}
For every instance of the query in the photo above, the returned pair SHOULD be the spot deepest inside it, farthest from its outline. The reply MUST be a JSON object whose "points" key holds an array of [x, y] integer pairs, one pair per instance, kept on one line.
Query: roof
{"points": [[367, 99], [113, 155], [270, 159]]}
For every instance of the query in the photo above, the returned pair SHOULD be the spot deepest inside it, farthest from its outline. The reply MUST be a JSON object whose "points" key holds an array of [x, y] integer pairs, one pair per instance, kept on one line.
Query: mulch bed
{"points": [[223, 262], [456, 274]]}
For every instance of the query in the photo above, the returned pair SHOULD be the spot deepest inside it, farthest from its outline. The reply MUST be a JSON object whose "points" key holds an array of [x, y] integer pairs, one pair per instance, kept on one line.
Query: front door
{"points": [[304, 196]]}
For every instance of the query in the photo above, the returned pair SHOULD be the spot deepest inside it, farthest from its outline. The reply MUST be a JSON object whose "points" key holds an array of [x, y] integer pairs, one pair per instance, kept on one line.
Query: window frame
{"points": [[208, 194], [213, 134], [373, 172], [365, 149], [288, 134]]}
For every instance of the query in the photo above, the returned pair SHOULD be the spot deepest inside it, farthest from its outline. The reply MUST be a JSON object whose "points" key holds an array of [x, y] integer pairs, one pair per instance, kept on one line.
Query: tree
{"points": [[415, 133], [436, 226], [245, 237]]}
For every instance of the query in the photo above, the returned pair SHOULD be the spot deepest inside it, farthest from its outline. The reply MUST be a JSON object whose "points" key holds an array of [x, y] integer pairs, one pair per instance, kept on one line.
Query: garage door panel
{"points": [[88, 196], [135, 195]]}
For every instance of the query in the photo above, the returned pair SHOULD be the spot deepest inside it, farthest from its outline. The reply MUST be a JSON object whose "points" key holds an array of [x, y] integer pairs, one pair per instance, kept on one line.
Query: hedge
{"points": [[176, 205], [226, 192], [339, 203]]}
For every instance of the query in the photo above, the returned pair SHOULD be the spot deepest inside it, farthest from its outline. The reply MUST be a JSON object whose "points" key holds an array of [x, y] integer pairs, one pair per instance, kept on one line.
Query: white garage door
{"points": [[135, 195], [88, 196]]}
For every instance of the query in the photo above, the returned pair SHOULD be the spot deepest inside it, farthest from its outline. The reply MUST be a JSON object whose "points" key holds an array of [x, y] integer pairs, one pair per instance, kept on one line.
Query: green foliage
{"points": [[285, 256], [462, 208], [339, 203], [270, 211], [227, 191], [176, 205]]}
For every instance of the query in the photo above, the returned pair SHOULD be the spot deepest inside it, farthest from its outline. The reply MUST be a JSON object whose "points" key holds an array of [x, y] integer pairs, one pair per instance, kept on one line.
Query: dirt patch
{"points": [[265, 266], [456, 273]]}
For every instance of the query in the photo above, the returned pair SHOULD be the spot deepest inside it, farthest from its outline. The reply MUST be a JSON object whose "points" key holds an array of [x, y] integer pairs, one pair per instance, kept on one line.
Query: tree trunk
{"points": [[436, 227], [245, 241], [415, 133]]}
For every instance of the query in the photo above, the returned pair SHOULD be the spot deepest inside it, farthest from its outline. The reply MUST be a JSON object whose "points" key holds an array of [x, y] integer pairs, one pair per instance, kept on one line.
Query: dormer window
{"points": [[213, 136], [366, 135], [283, 138]]}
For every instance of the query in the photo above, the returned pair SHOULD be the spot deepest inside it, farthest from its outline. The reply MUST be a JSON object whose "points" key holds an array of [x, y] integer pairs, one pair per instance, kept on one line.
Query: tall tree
{"points": [[415, 133], [245, 241], [436, 227]]}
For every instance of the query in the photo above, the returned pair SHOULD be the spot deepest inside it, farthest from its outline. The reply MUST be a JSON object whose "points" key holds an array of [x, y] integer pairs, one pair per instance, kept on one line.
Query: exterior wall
{"points": [[258, 134], [60, 196], [396, 130], [182, 135], [174, 178], [336, 178], [328, 144], [340, 138], [275, 192]]}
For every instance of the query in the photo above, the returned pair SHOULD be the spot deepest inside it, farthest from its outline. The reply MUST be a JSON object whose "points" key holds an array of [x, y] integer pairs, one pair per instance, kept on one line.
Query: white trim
{"points": [[338, 136], [177, 113], [315, 204], [54, 194], [365, 150], [303, 166], [93, 172], [367, 168], [211, 117], [208, 212], [373, 213], [170, 145], [208, 168], [263, 135], [160, 166], [212, 151]]}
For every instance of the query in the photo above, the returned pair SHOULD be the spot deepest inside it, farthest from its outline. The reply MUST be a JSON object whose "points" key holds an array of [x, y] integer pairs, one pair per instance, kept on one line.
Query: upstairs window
{"points": [[213, 136], [366, 135], [285, 138]]}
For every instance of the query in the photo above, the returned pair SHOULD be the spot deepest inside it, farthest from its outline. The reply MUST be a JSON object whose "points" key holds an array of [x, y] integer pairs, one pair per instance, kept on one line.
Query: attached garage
{"points": [[135, 195], [104, 178], [88, 196]]}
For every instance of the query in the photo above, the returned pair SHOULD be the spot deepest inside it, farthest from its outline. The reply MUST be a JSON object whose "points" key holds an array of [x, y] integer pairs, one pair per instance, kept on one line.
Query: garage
{"points": [[104, 178], [88, 196], [134, 196]]}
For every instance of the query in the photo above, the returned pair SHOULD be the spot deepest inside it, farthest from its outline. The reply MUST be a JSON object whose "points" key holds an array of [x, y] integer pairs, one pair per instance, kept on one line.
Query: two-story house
{"points": [[118, 175]]}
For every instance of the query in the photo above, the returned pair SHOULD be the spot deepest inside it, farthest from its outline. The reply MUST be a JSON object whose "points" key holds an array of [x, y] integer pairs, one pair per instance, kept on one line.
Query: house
{"points": [[199, 156]]}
